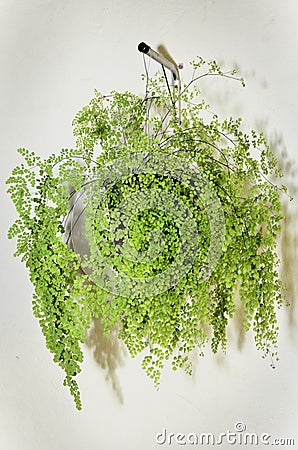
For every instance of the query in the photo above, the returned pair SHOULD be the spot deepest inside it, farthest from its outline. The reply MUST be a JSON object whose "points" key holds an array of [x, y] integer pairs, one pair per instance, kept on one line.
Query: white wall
{"points": [[53, 54]]}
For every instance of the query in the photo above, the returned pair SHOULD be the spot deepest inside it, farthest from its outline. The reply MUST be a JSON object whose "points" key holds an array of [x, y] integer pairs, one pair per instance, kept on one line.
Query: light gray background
{"points": [[53, 54]]}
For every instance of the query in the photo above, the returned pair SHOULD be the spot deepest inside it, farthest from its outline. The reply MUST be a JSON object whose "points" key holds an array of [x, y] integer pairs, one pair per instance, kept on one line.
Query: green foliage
{"points": [[169, 322]]}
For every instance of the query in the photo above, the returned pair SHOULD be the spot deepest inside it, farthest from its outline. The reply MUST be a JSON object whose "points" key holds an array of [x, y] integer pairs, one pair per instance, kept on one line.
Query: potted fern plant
{"points": [[156, 233]]}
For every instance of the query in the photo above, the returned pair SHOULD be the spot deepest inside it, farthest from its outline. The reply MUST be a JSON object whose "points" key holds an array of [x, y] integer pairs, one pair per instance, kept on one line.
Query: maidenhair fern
{"points": [[162, 189]]}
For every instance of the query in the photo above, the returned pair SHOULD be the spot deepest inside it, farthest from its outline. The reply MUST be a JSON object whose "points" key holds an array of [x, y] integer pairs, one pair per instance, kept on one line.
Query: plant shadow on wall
{"points": [[288, 241], [109, 353], [178, 220]]}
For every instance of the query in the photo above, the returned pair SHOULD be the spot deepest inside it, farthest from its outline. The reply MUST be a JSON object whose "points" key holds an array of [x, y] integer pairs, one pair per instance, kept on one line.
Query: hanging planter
{"points": [[168, 223]]}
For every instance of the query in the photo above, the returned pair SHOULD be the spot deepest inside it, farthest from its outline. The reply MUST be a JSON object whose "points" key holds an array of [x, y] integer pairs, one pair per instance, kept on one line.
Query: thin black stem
{"points": [[223, 75], [168, 86]]}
